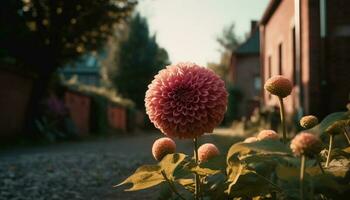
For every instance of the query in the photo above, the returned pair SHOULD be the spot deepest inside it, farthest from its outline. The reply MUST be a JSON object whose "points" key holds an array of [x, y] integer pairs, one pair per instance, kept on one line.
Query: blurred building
{"points": [[245, 71], [86, 70], [308, 41]]}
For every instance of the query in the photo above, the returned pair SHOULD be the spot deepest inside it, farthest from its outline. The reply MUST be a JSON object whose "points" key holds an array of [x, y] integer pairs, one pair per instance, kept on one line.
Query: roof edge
{"points": [[269, 11]]}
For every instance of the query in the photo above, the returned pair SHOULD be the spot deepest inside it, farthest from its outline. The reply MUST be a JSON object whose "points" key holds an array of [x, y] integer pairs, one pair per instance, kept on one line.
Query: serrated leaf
{"points": [[144, 177]]}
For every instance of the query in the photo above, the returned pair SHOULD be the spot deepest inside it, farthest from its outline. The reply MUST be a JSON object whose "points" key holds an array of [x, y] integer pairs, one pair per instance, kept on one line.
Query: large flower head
{"points": [[279, 86], [306, 143], [207, 151], [163, 146], [186, 100]]}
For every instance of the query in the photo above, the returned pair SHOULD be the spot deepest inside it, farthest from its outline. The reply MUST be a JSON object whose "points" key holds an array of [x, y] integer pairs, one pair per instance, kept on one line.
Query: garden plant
{"points": [[185, 101]]}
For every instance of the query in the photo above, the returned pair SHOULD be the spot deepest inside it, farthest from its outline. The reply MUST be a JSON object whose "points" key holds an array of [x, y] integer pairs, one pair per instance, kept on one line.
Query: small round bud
{"points": [[305, 144], [163, 146], [308, 121], [250, 140], [336, 128], [267, 134], [348, 106], [207, 151], [279, 86]]}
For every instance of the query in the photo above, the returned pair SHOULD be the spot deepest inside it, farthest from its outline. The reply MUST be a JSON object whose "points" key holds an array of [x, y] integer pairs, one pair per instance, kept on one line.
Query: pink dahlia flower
{"points": [[186, 100], [305, 143], [267, 134], [250, 140], [279, 86], [163, 146], [207, 151]]}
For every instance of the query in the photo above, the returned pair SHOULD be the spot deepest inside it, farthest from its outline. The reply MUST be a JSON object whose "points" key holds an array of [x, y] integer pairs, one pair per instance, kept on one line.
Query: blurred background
{"points": [[73, 75]]}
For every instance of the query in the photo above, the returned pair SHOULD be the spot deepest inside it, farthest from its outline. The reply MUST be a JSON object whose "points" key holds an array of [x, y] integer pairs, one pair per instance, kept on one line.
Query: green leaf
{"points": [[332, 118], [272, 147], [210, 167], [249, 184], [170, 162], [144, 177]]}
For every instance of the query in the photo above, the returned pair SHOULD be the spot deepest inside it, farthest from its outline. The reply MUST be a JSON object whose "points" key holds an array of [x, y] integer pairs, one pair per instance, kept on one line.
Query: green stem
{"points": [[319, 164], [197, 180], [346, 135], [302, 172], [329, 150], [171, 185], [282, 114]]}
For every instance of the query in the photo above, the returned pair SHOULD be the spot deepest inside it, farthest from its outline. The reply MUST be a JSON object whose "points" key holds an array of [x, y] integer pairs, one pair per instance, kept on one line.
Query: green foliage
{"points": [[264, 169], [140, 59], [43, 35], [150, 175]]}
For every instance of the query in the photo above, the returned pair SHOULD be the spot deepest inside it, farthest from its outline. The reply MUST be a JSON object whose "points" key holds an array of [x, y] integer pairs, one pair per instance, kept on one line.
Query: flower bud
{"points": [[207, 151], [163, 146], [308, 121], [279, 86], [267, 134], [305, 144]]}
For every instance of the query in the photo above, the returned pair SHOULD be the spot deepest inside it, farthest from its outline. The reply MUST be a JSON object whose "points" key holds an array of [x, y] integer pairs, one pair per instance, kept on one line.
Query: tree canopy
{"points": [[140, 59], [44, 34]]}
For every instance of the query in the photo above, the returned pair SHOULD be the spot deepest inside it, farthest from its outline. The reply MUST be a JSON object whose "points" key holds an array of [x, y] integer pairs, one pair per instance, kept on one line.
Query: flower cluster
{"points": [[186, 100]]}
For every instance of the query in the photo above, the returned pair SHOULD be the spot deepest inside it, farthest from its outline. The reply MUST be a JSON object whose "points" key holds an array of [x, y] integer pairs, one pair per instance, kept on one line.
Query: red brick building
{"points": [[245, 71], [308, 41]]}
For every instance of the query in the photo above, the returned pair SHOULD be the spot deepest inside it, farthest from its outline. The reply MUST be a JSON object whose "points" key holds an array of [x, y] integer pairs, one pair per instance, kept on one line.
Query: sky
{"points": [[188, 29]]}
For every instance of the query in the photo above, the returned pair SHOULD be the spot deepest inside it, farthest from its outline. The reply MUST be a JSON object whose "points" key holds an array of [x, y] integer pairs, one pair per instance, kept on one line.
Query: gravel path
{"points": [[77, 170], [80, 170]]}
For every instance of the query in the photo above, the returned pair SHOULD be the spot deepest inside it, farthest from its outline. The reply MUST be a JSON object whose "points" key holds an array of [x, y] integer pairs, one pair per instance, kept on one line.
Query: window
{"points": [[280, 59]]}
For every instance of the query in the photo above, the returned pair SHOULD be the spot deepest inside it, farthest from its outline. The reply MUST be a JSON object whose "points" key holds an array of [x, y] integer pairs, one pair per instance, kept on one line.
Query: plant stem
{"points": [[197, 180], [319, 164], [346, 135], [282, 114], [329, 150], [171, 185], [302, 172]]}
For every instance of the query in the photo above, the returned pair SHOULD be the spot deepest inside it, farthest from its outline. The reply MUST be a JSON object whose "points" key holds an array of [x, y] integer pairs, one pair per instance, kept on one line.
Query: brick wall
{"points": [[278, 31]]}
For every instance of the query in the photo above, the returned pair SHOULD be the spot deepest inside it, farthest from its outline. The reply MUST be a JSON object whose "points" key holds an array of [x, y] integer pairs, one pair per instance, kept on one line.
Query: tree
{"points": [[139, 60], [228, 39], [42, 35]]}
